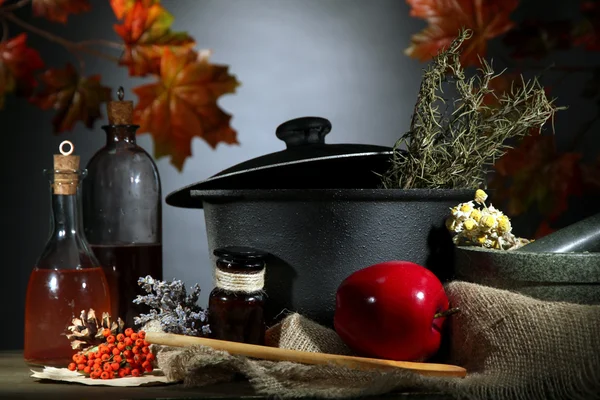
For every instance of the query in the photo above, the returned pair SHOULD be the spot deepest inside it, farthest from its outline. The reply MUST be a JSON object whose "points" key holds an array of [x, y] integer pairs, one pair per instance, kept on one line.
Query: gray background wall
{"points": [[340, 59]]}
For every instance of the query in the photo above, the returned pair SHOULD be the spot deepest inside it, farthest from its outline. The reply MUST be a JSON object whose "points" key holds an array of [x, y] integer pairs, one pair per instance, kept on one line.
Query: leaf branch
{"points": [[75, 47]]}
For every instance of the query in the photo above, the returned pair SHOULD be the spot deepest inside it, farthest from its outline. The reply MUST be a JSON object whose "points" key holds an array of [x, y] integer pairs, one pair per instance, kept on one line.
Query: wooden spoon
{"points": [[303, 357]]}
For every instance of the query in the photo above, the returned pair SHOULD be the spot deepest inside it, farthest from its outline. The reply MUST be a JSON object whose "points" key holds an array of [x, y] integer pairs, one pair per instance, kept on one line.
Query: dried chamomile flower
{"points": [[473, 223]]}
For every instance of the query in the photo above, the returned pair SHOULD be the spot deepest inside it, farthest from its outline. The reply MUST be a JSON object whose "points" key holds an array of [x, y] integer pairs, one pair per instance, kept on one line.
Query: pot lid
{"points": [[307, 162]]}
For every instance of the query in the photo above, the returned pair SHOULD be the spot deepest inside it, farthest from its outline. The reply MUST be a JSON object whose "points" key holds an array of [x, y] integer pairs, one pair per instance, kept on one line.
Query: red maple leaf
{"points": [[485, 18], [146, 32], [535, 174], [59, 10], [17, 66], [76, 98], [182, 105], [122, 7]]}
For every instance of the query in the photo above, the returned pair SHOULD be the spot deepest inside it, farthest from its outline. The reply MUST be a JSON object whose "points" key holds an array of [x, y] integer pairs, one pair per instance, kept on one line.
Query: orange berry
{"points": [[148, 368], [97, 361], [128, 341], [105, 357], [122, 373], [115, 366], [106, 332], [135, 372], [146, 343], [110, 339], [111, 346], [98, 354], [145, 350], [116, 351], [145, 364], [106, 367], [80, 367], [134, 336], [75, 357], [138, 359], [135, 350], [91, 355], [104, 375], [117, 358], [139, 342], [72, 367], [104, 350], [121, 346], [120, 337], [127, 370], [94, 375], [150, 357], [87, 370], [90, 363], [142, 334], [128, 332], [128, 354]]}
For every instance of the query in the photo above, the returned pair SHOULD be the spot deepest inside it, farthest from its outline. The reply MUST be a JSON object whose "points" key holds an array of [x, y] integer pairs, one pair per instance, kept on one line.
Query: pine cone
{"points": [[86, 331]]}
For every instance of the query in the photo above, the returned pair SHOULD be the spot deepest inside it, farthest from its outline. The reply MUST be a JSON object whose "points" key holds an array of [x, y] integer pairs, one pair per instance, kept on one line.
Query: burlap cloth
{"points": [[513, 346]]}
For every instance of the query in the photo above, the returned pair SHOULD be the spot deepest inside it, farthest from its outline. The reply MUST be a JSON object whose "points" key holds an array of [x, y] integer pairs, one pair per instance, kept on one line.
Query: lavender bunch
{"points": [[170, 304]]}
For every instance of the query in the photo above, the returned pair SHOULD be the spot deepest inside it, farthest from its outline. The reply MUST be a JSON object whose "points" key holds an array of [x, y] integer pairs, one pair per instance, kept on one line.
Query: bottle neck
{"points": [[120, 135], [65, 220]]}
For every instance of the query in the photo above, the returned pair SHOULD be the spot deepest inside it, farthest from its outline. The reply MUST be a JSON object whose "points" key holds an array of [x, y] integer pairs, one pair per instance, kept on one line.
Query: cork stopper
{"points": [[66, 168], [120, 112]]}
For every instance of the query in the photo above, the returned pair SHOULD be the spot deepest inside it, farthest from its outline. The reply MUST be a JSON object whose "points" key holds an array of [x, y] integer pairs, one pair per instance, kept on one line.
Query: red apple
{"points": [[387, 311]]}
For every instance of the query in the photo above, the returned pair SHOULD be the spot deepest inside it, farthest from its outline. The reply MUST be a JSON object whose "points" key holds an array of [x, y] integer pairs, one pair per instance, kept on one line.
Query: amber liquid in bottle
{"points": [[236, 304], [123, 265], [54, 297], [67, 279]]}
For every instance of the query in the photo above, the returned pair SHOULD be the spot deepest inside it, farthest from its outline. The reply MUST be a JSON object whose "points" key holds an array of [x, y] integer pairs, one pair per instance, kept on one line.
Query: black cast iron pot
{"points": [[319, 211]]}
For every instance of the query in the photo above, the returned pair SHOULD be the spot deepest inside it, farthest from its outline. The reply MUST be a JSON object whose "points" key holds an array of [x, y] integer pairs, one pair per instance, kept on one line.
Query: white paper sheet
{"points": [[156, 377]]}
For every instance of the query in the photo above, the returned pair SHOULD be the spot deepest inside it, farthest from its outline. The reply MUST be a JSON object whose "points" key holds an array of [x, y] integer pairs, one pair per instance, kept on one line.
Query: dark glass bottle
{"points": [[236, 304], [122, 217], [67, 277]]}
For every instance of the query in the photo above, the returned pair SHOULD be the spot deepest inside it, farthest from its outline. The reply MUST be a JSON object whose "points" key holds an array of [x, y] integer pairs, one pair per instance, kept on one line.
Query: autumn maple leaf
{"points": [[76, 98], [59, 10], [535, 174], [183, 105], [123, 7], [485, 18], [146, 32], [17, 66]]}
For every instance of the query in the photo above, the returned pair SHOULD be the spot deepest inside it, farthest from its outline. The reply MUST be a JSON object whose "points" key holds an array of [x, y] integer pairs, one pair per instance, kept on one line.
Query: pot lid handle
{"points": [[303, 131]]}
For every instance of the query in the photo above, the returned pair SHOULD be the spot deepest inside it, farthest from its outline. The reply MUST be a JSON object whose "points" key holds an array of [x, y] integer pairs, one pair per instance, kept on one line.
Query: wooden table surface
{"points": [[16, 383]]}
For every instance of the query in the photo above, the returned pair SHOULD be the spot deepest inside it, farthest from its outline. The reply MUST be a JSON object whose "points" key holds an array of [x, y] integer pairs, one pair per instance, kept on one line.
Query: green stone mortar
{"points": [[570, 277]]}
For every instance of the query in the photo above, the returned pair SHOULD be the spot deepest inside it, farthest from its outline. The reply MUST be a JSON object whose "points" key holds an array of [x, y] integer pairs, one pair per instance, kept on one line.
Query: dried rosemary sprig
{"points": [[451, 143]]}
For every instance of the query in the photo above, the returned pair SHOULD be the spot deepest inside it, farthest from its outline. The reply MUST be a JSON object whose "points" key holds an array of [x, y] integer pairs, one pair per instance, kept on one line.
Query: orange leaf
{"points": [[535, 174], [75, 98], [17, 66], [147, 33], [59, 10], [183, 105], [123, 7], [485, 18]]}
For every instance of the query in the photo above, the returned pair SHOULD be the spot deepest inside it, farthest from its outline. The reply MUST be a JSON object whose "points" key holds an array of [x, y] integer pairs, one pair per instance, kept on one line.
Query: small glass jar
{"points": [[236, 304]]}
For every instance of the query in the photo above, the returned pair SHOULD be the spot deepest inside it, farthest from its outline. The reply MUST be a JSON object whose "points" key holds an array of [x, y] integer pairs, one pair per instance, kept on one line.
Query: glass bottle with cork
{"points": [[123, 210], [236, 304], [67, 277]]}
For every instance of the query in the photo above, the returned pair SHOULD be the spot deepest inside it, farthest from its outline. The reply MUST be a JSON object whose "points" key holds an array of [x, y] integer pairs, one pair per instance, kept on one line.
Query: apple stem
{"points": [[447, 313]]}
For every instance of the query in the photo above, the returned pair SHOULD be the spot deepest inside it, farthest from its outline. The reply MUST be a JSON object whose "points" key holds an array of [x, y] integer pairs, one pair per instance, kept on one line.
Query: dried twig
{"points": [[451, 143]]}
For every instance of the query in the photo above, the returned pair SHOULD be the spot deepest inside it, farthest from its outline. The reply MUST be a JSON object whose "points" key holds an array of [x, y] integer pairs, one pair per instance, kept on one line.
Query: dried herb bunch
{"points": [[177, 311], [452, 141]]}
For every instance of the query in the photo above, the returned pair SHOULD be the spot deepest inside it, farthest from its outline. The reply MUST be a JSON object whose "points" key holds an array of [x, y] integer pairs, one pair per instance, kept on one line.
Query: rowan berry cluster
{"points": [[122, 355]]}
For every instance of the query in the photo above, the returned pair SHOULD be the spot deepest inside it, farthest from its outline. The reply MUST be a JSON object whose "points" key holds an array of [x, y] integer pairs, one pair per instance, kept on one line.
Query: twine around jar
{"points": [[232, 282]]}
